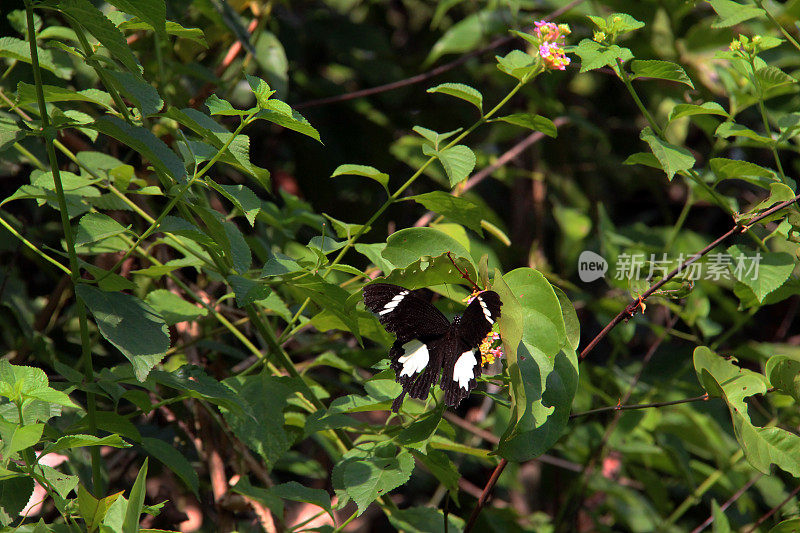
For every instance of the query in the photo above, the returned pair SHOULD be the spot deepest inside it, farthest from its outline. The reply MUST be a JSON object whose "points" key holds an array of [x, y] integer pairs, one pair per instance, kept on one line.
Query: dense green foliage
{"points": [[193, 198]]}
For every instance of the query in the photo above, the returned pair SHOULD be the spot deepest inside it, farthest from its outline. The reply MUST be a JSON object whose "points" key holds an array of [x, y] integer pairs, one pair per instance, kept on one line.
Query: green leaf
{"points": [[68, 442], [261, 90], [662, 70], [532, 122], [543, 369], [238, 152], [731, 129], [517, 64], [461, 91], [281, 114], [143, 141], [783, 372], [95, 22], [458, 162], [142, 94], [173, 308], [55, 61], [173, 28], [193, 380], [762, 446], [62, 483], [296, 492], [720, 523], [136, 501], [595, 55], [332, 298], [14, 496], [261, 425], [365, 171], [687, 110], [672, 158], [430, 271], [726, 169], [442, 468], [95, 227], [242, 197], [21, 437], [792, 525], [468, 33], [455, 208], [153, 12], [762, 272], [771, 77], [409, 245], [616, 23], [26, 94], [732, 13], [248, 290], [129, 324], [93, 510], [424, 520], [174, 460], [572, 325], [369, 470]]}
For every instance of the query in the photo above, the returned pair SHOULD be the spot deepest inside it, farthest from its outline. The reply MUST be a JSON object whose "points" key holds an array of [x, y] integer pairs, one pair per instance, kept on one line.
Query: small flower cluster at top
{"points": [[489, 353], [551, 37], [746, 46]]}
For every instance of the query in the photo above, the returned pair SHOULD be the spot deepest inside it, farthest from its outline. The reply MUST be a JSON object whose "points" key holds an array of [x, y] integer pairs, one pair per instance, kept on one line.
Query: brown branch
{"points": [[772, 511], [619, 407], [631, 309], [431, 73], [736, 495], [487, 490]]}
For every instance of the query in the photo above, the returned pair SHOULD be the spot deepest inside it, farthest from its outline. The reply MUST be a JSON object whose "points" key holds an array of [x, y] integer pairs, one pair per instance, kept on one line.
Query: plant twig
{"points": [[619, 407], [772, 511], [736, 495], [631, 309], [419, 78]]}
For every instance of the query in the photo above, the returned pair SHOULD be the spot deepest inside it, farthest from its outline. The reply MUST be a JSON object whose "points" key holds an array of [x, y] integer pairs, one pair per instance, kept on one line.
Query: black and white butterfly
{"points": [[427, 342]]}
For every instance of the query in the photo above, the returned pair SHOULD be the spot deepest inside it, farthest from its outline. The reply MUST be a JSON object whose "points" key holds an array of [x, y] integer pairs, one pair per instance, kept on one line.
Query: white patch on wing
{"points": [[394, 302], [415, 358], [486, 311], [464, 369]]}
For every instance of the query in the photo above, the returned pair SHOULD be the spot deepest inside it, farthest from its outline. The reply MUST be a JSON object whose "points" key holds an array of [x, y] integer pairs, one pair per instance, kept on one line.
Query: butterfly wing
{"points": [[461, 359], [415, 356], [405, 312]]}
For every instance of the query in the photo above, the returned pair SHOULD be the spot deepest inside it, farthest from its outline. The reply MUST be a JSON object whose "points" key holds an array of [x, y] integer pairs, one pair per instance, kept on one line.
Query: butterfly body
{"points": [[428, 344]]}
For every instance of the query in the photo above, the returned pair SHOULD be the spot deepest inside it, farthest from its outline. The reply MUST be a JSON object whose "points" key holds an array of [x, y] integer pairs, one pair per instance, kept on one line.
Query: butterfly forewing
{"points": [[479, 317], [404, 312], [461, 364]]}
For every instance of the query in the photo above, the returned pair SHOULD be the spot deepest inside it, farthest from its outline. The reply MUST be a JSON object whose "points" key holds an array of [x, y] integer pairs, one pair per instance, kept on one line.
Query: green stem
{"points": [[772, 19], [695, 496], [86, 354], [344, 524], [33, 247], [175, 199], [691, 173], [673, 234]]}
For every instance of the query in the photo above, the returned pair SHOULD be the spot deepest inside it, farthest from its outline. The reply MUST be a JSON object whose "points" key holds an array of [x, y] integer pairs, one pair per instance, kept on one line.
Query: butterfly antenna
{"points": [[463, 273]]}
